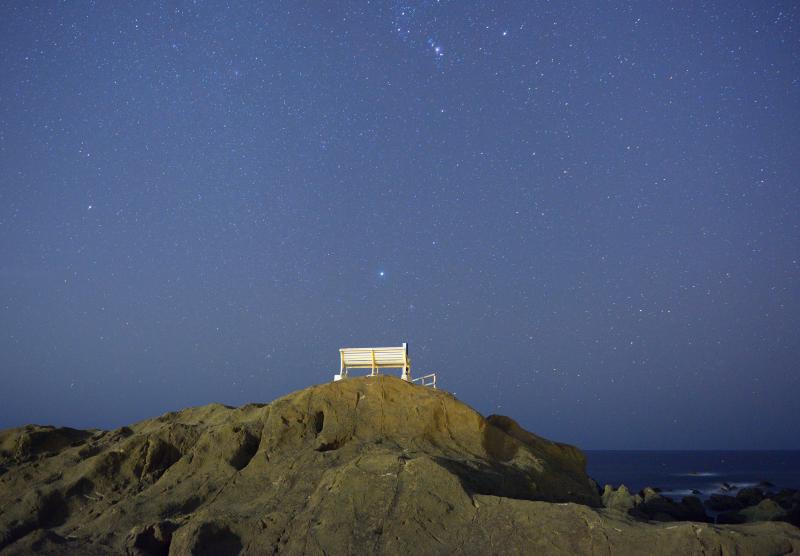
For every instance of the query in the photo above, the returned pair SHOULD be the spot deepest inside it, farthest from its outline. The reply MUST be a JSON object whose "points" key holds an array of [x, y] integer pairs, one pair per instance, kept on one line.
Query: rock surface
{"points": [[360, 466]]}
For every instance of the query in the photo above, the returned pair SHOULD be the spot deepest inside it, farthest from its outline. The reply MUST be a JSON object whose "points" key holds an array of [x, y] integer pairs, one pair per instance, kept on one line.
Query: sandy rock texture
{"points": [[360, 466]]}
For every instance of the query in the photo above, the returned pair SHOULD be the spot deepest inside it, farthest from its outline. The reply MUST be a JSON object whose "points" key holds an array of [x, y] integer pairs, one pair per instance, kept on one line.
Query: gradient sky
{"points": [[584, 215]]}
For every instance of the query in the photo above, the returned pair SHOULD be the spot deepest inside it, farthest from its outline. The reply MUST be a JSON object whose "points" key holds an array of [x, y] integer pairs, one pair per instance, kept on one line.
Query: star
{"points": [[437, 48]]}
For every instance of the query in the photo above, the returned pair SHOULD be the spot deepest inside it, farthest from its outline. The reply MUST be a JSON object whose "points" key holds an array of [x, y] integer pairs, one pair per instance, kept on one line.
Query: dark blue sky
{"points": [[585, 215]]}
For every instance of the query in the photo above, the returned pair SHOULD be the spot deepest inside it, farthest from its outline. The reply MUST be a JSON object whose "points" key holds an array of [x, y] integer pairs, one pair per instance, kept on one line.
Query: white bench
{"points": [[374, 358]]}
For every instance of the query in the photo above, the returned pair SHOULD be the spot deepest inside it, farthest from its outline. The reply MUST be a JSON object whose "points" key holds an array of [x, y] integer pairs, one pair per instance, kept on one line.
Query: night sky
{"points": [[584, 215]]}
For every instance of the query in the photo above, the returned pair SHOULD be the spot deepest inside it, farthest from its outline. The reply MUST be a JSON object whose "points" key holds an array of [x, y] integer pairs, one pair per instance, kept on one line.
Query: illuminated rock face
{"points": [[366, 465]]}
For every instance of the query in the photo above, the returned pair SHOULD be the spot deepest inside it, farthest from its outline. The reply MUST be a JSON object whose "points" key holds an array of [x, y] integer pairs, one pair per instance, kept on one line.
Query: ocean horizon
{"points": [[695, 472]]}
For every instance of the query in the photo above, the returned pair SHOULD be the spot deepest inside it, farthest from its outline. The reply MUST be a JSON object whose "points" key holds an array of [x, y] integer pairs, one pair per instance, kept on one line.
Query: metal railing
{"points": [[426, 380]]}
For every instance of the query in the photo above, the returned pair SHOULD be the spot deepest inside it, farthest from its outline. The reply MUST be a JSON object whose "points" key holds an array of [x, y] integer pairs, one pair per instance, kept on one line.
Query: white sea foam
{"points": [[733, 487], [678, 492]]}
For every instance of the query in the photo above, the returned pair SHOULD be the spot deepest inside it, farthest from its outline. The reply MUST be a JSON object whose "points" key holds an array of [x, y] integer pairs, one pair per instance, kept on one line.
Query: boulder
{"points": [[766, 510], [727, 487], [649, 493], [620, 499]]}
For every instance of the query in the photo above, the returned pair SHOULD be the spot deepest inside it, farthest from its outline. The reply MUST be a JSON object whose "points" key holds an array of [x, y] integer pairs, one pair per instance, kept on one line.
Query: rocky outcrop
{"points": [[778, 507], [651, 505], [619, 499], [368, 465], [753, 504]]}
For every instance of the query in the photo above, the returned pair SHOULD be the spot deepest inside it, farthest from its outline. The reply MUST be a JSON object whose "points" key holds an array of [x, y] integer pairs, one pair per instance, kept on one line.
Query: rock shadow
{"points": [[494, 479], [245, 451]]}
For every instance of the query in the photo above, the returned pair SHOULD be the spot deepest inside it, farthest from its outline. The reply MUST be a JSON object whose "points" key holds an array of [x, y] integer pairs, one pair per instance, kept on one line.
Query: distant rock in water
{"points": [[619, 499], [650, 505], [359, 466]]}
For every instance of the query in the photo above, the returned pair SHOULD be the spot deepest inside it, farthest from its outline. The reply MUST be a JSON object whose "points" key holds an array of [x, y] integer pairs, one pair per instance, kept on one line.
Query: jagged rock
{"points": [[727, 487], [648, 493], [652, 506], [368, 465], [620, 500]]}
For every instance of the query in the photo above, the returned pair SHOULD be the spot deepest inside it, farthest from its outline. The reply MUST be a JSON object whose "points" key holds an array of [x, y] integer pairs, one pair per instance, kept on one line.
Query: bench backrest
{"points": [[377, 357]]}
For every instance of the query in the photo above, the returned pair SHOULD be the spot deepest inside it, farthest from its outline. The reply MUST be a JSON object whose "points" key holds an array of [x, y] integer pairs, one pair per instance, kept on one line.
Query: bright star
{"points": [[382, 273], [437, 48]]}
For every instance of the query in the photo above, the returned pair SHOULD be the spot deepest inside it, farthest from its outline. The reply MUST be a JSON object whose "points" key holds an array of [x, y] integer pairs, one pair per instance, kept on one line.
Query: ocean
{"points": [[678, 473]]}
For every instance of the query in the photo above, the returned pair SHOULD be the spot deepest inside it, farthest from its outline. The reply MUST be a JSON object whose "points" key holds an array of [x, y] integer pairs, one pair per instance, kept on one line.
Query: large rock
{"points": [[651, 505], [766, 510], [620, 499], [370, 465]]}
